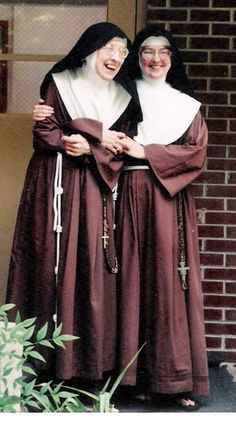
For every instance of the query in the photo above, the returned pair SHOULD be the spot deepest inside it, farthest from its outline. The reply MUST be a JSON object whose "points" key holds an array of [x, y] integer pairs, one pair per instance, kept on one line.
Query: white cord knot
{"points": [[59, 229], [58, 190], [115, 193], [114, 198]]}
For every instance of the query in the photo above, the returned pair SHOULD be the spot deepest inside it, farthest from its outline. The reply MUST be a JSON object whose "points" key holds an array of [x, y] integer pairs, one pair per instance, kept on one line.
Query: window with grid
{"points": [[33, 36]]}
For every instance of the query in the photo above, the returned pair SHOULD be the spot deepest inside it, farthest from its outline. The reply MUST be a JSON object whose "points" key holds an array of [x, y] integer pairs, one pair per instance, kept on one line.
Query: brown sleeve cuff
{"points": [[86, 127]]}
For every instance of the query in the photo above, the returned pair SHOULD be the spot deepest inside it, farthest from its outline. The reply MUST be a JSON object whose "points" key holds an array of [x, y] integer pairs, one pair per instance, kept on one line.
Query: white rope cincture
{"points": [[134, 167], [57, 227], [114, 196]]}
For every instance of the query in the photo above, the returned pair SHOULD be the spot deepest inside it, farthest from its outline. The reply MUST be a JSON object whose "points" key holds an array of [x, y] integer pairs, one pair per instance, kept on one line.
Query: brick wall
{"points": [[206, 33]]}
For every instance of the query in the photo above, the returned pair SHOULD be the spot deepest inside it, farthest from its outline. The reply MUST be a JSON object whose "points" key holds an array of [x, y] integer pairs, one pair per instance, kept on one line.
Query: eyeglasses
{"points": [[148, 54], [111, 49]]}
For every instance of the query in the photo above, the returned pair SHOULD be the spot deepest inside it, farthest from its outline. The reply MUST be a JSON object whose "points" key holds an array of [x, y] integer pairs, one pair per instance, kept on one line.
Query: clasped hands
{"points": [[118, 142], [113, 141]]}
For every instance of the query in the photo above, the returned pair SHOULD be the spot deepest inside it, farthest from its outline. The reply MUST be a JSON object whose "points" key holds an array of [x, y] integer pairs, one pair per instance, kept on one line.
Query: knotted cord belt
{"points": [[57, 227]]}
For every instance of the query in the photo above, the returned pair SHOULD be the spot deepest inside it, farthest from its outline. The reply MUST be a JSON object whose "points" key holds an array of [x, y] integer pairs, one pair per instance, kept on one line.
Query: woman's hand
{"points": [[132, 148], [111, 141], [76, 145], [42, 111]]}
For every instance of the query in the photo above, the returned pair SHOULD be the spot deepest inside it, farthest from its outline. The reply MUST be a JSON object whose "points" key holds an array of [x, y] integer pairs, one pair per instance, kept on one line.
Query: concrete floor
{"points": [[221, 399]]}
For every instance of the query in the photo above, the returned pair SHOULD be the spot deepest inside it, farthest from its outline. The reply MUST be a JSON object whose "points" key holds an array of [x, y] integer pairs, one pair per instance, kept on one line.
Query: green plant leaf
{"points": [[3, 337], [72, 404], [42, 399], [32, 403], [29, 387], [20, 365], [28, 334], [29, 348], [27, 343], [64, 394], [5, 320], [59, 342], [54, 398], [104, 389], [91, 395], [7, 371], [19, 381], [85, 392], [41, 334], [58, 387], [6, 307], [28, 370], [36, 355], [121, 375], [46, 343], [57, 331], [44, 387], [28, 322], [67, 337], [18, 318]]}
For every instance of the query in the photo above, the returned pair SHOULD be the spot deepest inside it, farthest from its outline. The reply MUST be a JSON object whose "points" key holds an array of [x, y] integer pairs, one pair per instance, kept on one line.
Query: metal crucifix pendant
{"points": [[183, 273], [105, 238]]}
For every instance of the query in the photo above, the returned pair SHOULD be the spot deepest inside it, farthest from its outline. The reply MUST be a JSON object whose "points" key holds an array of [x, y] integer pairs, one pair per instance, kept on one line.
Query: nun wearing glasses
{"points": [[63, 264], [160, 292]]}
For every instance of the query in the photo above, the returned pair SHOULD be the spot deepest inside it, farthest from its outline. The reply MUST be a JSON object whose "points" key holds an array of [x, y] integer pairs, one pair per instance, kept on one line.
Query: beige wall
{"points": [[15, 152]]}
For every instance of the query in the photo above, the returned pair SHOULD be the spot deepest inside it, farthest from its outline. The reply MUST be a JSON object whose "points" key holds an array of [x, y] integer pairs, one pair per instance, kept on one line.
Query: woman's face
{"points": [[110, 58], [155, 61]]}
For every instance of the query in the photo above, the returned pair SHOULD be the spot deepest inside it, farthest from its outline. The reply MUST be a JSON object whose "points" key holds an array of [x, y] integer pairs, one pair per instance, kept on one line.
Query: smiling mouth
{"points": [[111, 66], [155, 66]]}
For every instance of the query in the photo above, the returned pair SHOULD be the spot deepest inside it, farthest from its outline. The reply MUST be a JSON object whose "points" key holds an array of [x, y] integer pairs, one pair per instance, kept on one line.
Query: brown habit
{"points": [[153, 308], [86, 290]]}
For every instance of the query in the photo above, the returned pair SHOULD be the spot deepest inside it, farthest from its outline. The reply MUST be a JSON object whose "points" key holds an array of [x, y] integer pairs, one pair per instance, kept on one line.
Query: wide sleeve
{"points": [[177, 165], [108, 166], [47, 134]]}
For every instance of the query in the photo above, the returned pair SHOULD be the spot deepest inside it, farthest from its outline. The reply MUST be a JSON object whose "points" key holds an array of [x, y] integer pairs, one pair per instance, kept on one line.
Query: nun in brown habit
{"points": [[63, 262], [159, 282]]}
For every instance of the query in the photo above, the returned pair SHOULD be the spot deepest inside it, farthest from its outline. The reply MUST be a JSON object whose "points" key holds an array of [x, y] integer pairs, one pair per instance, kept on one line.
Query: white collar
{"points": [[167, 113]]}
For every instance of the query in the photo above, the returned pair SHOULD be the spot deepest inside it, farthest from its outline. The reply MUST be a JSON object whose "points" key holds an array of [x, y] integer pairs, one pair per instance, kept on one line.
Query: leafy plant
{"points": [[19, 390]]}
